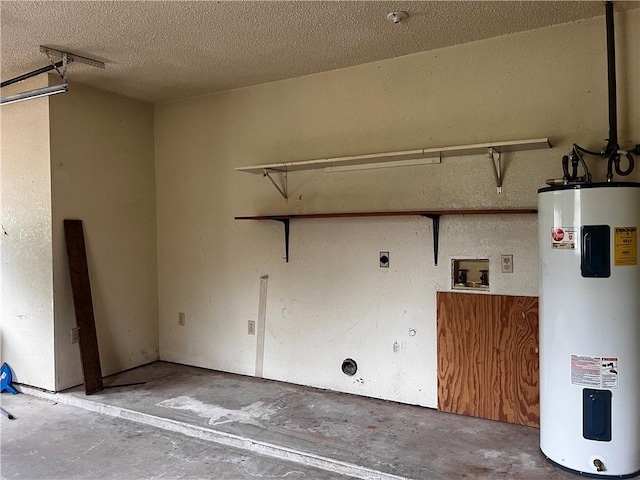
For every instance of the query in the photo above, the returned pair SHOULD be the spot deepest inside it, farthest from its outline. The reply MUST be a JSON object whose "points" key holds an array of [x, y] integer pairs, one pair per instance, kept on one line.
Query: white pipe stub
{"points": [[397, 17]]}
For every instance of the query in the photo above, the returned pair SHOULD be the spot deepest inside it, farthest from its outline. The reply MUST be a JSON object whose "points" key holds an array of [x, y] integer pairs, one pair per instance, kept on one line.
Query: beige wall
{"points": [[95, 161], [103, 173], [332, 301], [26, 294]]}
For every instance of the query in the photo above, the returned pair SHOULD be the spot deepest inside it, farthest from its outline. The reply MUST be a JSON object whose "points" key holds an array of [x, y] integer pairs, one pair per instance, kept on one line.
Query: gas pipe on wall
{"points": [[590, 309]]}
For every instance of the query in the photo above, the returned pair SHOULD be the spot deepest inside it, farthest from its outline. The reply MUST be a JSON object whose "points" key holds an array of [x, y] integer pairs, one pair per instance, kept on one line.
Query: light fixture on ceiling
{"points": [[37, 93], [67, 58], [397, 17]]}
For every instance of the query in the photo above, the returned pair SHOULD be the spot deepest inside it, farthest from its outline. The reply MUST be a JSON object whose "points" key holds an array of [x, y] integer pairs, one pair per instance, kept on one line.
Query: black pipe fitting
{"points": [[612, 145], [619, 171]]}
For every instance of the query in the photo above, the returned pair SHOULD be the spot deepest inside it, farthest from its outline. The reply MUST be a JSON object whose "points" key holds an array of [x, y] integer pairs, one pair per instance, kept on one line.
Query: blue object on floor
{"points": [[6, 377]]}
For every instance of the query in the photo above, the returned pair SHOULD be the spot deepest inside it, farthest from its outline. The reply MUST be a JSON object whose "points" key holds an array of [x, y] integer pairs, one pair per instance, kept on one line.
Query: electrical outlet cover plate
{"points": [[251, 327], [181, 318], [506, 263]]}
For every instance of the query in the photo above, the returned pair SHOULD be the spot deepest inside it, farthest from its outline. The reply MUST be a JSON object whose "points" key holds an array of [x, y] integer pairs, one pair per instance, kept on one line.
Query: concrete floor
{"points": [[187, 422], [50, 440]]}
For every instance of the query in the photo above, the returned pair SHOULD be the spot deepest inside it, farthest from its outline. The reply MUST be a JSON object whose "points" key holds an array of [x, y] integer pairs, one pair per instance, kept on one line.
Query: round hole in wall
{"points": [[349, 367]]}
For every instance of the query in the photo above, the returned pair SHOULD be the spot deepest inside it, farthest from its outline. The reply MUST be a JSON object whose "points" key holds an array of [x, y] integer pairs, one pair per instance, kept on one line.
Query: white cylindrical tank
{"points": [[590, 327]]}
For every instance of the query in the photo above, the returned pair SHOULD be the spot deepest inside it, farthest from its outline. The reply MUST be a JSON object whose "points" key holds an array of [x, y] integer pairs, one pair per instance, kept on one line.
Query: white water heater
{"points": [[590, 328]]}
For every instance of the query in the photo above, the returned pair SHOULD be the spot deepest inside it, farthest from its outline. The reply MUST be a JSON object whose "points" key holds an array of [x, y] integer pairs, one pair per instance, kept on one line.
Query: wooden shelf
{"points": [[401, 213], [396, 159], [434, 215]]}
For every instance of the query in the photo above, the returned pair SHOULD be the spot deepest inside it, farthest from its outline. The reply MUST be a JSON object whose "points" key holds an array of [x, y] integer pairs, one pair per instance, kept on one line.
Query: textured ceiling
{"points": [[157, 51]]}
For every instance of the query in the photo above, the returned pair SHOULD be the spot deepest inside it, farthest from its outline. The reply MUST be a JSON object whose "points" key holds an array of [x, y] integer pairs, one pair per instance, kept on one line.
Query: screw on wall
{"points": [[384, 259]]}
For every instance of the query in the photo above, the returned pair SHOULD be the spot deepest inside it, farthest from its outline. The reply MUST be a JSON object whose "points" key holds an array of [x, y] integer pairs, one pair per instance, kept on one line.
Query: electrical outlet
{"points": [[251, 327], [384, 259], [506, 263], [74, 335], [181, 318]]}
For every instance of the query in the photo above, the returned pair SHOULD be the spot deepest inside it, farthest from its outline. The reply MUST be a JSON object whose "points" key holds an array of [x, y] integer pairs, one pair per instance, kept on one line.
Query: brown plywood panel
{"points": [[487, 356], [500, 359], [83, 305], [524, 314], [457, 388]]}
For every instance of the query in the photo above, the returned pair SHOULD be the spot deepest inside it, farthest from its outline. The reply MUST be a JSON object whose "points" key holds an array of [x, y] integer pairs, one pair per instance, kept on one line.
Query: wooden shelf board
{"points": [[402, 213]]}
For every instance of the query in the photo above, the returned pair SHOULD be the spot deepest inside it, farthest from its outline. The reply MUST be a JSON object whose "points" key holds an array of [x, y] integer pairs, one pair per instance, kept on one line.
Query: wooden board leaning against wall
{"points": [[488, 357]]}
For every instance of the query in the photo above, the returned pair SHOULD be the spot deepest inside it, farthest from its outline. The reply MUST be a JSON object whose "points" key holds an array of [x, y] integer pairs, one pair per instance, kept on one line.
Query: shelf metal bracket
{"points": [[72, 57], [436, 235], [285, 222], [496, 163], [283, 190], [66, 60]]}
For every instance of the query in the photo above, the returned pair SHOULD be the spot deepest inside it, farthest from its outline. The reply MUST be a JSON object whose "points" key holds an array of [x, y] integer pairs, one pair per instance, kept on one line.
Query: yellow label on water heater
{"points": [[626, 246]]}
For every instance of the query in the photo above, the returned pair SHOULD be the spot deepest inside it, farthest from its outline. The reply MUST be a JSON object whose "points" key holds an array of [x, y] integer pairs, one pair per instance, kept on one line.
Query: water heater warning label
{"points": [[596, 372], [626, 246], [563, 237]]}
